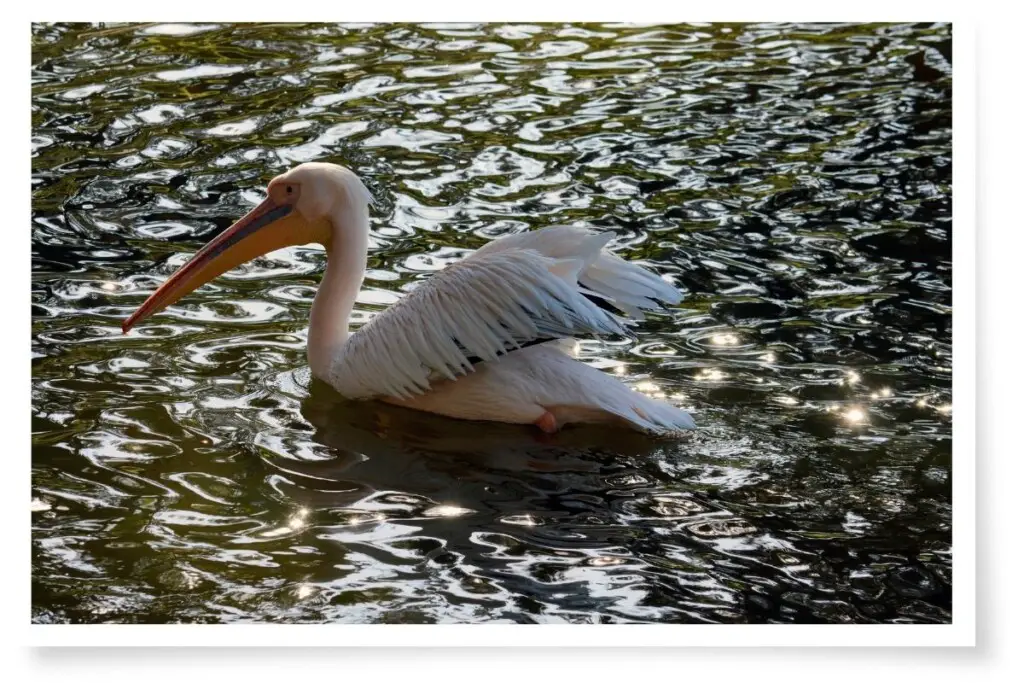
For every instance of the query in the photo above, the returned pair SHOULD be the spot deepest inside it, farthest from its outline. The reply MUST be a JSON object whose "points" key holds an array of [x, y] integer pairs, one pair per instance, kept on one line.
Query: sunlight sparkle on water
{"points": [[884, 392], [725, 339], [298, 520], [279, 531], [520, 520], [711, 375], [446, 511], [855, 415]]}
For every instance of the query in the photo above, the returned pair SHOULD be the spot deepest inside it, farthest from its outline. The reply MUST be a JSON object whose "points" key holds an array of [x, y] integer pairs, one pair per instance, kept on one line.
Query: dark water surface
{"points": [[794, 180]]}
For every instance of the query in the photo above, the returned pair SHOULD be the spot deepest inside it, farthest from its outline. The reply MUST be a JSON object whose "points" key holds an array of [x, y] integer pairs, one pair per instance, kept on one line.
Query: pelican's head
{"points": [[305, 205]]}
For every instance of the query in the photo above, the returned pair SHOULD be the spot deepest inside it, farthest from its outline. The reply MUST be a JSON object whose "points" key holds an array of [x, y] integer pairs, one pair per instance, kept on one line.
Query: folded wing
{"points": [[627, 286], [514, 292]]}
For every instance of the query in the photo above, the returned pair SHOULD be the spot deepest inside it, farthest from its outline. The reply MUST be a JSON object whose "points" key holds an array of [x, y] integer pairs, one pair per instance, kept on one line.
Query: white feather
{"points": [[483, 306], [516, 290], [522, 386], [626, 285]]}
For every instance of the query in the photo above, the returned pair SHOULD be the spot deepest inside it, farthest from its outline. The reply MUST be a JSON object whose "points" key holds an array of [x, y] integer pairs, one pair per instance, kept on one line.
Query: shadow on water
{"points": [[462, 483]]}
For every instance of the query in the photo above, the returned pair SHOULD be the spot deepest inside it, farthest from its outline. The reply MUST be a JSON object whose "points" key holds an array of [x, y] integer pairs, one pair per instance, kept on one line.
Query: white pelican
{"points": [[487, 338]]}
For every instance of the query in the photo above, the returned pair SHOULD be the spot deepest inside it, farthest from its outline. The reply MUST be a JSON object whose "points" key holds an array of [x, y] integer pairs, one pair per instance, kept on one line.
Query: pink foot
{"points": [[547, 422]]}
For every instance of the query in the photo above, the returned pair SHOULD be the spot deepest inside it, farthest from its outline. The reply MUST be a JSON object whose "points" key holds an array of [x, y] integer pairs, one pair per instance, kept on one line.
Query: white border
{"points": [[964, 329], [502, 635], [961, 632]]}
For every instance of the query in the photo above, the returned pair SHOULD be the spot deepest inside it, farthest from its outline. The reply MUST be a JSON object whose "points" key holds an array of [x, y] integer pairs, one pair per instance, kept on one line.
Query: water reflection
{"points": [[792, 180]]}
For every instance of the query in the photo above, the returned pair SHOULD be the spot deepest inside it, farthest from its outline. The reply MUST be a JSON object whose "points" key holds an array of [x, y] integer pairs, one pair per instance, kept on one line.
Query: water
{"points": [[793, 179]]}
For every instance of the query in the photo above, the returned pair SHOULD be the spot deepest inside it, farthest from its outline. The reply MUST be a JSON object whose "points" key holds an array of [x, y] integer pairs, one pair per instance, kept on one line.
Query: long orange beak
{"points": [[267, 227]]}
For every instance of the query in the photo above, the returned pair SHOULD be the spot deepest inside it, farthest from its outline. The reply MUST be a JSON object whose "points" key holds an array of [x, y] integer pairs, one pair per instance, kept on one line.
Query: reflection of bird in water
{"points": [[381, 447], [485, 339]]}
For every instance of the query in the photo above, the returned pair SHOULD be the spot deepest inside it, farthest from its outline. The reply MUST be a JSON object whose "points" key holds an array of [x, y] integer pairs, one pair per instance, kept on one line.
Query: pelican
{"points": [[488, 338]]}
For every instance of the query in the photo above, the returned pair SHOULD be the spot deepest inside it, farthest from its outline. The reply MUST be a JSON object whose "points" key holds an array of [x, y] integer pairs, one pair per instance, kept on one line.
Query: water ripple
{"points": [[792, 180]]}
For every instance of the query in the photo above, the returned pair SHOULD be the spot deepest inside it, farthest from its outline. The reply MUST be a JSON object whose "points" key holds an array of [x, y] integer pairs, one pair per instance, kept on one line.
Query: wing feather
{"points": [[628, 286], [481, 307]]}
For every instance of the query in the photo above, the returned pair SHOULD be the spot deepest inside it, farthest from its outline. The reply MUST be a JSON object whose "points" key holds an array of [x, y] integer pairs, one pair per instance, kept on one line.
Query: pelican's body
{"points": [[487, 338]]}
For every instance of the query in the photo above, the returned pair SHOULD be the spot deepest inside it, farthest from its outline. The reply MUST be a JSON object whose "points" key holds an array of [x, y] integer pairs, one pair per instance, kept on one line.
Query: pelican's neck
{"points": [[343, 277]]}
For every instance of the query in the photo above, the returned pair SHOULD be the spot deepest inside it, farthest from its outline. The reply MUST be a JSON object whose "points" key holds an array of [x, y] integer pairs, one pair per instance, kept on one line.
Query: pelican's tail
{"points": [[652, 415], [607, 397], [629, 286]]}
